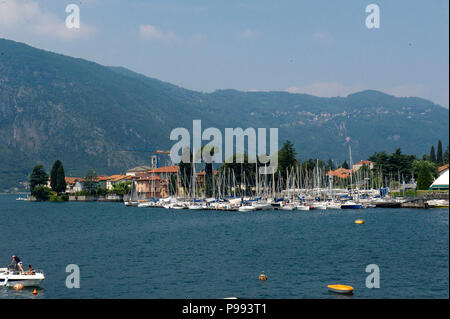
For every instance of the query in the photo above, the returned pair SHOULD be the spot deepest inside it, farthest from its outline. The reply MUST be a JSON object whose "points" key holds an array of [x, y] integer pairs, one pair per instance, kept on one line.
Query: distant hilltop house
{"points": [[441, 183]]}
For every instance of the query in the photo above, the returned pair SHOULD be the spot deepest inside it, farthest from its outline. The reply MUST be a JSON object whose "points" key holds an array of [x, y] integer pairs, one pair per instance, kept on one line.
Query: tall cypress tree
{"points": [[54, 175], [345, 165], [432, 155], [185, 169], [60, 180], [58, 177], [439, 156], [446, 155]]}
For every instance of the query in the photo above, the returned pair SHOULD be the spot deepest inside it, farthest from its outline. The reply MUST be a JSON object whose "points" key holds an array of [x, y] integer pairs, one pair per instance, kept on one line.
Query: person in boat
{"points": [[30, 271], [18, 263]]}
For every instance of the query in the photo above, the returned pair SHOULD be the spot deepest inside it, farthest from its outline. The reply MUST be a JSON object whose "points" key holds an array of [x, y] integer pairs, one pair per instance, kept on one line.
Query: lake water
{"points": [[128, 252]]}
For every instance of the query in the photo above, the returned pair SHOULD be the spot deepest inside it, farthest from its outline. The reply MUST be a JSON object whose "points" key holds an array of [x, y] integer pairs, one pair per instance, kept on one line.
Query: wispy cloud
{"points": [[26, 17], [249, 33], [150, 32], [323, 38]]}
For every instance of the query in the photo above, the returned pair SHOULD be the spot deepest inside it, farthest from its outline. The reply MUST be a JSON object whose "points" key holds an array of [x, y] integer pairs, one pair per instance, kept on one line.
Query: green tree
{"points": [[424, 179], [58, 178], [186, 169], [90, 182], [61, 180], [439, 155], [330, 165], [432, 157], [345, 165], [286, 157], [41, 193], [208, 152], [446, 156], [38, 177], [121, 188], [426, 171], [394, 164]]}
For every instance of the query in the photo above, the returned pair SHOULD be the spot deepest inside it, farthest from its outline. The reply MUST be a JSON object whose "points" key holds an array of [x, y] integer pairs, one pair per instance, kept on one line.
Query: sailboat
{"points": [[351, 204], [130, 201]]}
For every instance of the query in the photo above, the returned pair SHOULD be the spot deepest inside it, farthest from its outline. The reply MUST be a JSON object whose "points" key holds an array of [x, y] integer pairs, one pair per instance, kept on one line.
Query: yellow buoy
{"points": [[359, 221], [35, 292], [18, 286], [262, 276], [341, 289]]}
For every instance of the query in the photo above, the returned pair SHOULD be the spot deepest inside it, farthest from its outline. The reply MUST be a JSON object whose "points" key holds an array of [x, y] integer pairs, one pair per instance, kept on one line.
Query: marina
{"points": [[173, 253]]}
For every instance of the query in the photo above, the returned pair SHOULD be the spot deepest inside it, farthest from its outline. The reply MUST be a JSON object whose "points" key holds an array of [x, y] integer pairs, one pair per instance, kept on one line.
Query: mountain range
{"points": [[110, 119]]}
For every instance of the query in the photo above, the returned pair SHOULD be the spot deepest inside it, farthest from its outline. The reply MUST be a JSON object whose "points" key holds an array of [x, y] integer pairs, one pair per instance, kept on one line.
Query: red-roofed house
{"points": [[164, 170], [442, 168], [151, 186], [340, 172], [116, 179], [360, 164], [74, 184]]}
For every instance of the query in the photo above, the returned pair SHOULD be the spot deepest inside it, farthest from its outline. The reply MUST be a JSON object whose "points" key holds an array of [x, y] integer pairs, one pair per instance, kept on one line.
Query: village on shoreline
{"points": [[312, 183]]}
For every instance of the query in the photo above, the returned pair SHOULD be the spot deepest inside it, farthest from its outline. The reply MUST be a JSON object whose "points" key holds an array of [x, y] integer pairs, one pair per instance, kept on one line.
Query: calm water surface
{"points": [[127, 252]]}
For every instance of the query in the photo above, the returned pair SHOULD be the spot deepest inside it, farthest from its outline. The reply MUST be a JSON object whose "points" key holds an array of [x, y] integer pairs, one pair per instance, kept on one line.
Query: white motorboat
{"points": [[247, 208], [438, 203], [130, 203], [320, 206], [195, 207], [262, 206], [303, 207], [332, 205], [10, 277], [288, 207], [144, 204]]}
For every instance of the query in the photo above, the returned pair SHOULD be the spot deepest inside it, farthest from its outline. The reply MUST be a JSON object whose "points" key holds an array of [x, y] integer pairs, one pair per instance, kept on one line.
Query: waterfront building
{"points": [[360, 164]]}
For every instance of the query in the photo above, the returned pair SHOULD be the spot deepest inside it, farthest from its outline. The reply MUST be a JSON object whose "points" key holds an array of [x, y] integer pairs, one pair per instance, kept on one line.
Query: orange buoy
{"points": [[359, 221], [341, 289], [35, 292], [263, 276], [18, 286]]}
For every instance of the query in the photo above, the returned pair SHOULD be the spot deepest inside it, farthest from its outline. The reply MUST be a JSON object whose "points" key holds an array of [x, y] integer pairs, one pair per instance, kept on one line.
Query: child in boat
{"points": [[30, 271]]}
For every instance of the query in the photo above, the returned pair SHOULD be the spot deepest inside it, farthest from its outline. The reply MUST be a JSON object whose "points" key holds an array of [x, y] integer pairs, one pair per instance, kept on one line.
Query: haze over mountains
{"points": [[95, 117]]}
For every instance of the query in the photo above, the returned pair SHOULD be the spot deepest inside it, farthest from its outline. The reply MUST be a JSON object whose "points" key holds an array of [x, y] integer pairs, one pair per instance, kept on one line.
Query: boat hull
{"points": [[356, 206], [25, 280], [340, 289]]}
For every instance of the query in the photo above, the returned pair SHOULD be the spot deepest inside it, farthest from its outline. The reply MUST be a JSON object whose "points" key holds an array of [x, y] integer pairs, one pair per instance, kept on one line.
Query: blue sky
{"points": [[317, 47]]}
